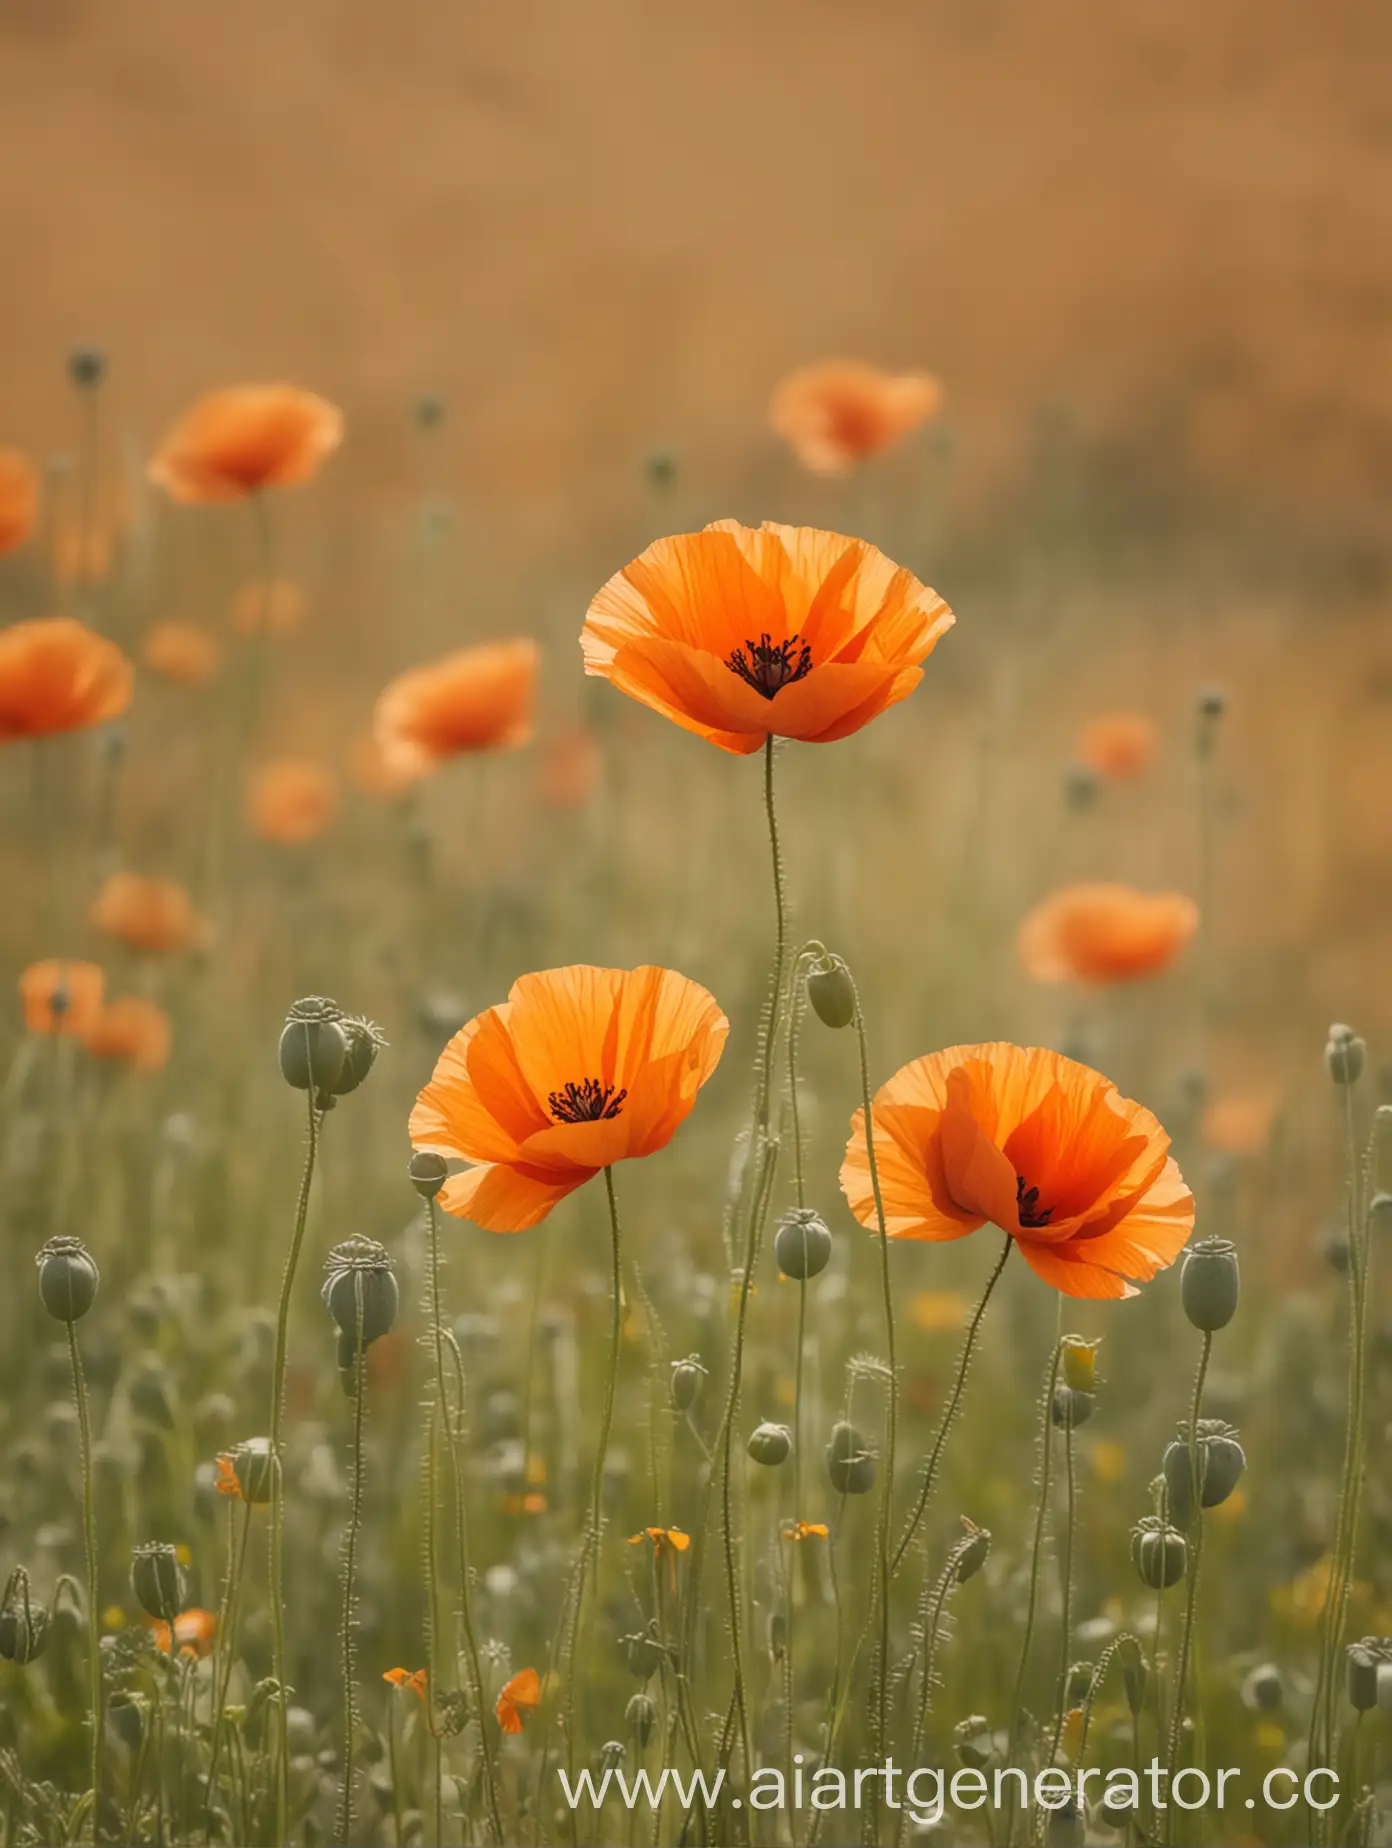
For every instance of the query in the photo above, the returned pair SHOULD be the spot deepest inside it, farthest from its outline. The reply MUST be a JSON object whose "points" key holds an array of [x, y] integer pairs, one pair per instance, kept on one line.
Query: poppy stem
{"points": [[350, 1556], [432, 1605], [277, 1523], [930, 1471], [226, 1637], [1036, 1554], [1186, 1635], [89, 1540], [1066, 1616]]}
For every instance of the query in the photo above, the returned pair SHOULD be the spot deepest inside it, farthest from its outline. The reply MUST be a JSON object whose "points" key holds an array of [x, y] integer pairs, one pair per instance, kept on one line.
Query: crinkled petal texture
{"points": [[19, 499], [478, 699], [578, 1068], [1042, 1147], [837, 414], [738, 633], [233, 442], [1105, 933], [56, 675]]}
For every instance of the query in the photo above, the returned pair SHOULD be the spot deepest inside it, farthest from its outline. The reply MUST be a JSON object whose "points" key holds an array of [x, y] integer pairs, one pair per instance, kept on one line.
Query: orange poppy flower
{"points": [[1105, 933], [193, 1631], [577, 1069], [181, 652], [533, 1502], [62, 997], [155, 915], [479, 699], [226, 1482], [132, 1028], [805, 1530], [663, 1539], [292, 801], [569, 768], [277, 608], [414, 1679], [57, 676], [1119, 744], [19, 499], [738, 633], [1047, 1150], [521, 1696], [234, 442], [837, 414]]}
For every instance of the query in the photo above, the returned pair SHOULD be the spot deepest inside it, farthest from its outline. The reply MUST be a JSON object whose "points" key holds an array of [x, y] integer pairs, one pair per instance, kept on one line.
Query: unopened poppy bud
{"points": [[24, 1632], [360, 1290], [802, 1244], [313, 1046], [1071, 1408], [972, 1551], [364, 1040], [972, 1742], [1079, 1680], [68, 1278], [1080, 1363], [428, 1172], [157, 1579], [612, 1754], [1264, 1689], [1344, 1054], [1209, 1284], [1133, 1674], [252, 1466], [851, 1465], [87, 365], [644, 1653], [1380, 1209], [641, 1715], [1363, 1663], [770, 1444], [832, 993], [1159, 1553], [688, 1377]]}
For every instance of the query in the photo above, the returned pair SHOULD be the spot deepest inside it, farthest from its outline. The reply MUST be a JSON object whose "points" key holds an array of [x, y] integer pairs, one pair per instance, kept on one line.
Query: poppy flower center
{"points": [[1027, 1202], [769, 666], [586, 1102]]}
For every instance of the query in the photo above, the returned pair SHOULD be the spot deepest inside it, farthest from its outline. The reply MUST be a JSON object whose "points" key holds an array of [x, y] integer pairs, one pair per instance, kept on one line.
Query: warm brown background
{"points": [[602, 223]]}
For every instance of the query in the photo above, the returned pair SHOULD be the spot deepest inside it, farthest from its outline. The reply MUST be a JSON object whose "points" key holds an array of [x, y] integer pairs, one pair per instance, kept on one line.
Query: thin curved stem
{"points": [[1066, 1619], [277, 1524], [350, 1554], [1036, 1554], [89, 1541], [1186, 1635], [949, 1412]]}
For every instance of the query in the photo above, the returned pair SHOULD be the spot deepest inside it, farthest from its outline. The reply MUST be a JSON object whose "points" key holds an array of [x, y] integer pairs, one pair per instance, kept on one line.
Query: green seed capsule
{"points": [[252, 1466], [641, 1715], [1363, 1661], [1264, 1689], [1209, 1284], [68, 1278], [972, 1742], [360, 1290], [688, 1377], [1159, 1552], [364, 1039], [802, 1244], [157, 1580], [644, 1653], [24, 1625], [832, 993], [428, 1173], [851, 1465], [1071, 1408], [770, 1444], [313, 1046], [972, 1551], [1344, 1054]]}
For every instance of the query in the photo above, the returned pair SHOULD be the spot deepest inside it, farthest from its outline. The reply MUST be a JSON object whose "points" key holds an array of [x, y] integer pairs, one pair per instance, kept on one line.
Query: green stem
{"points": [[89, 1540], [350, 1553], [1036, 1554], [277, 1524], [1065, 1646], [226, 1638], [1186, 1635], [949, 1413]]}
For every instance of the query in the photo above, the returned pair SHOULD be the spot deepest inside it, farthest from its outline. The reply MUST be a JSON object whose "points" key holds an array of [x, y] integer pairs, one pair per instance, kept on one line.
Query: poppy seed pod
{"points": [[1080, 1363], [641, 1715], [770, 1444], [1363, 1662], [1344, 1054], [972, 1551], [1071, 1408], [688, 1377], [832, 993], [1380, 1209], [313, 1045], [851, 1466], [68, 1278], [24, 1631], [428, 1172], [643, 1652], [972, 1742], [1159, 1553], [1209, 1284], [1264, 1689], [252, 1466], [157, 1579], [802, 1244], [364, 1040], [360, 1290]]}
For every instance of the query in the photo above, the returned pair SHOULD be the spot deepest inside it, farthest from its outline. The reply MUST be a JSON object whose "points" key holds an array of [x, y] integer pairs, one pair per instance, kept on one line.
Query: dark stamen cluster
{"points": [[1027, 1201], [586, 1102], [770, 666]]}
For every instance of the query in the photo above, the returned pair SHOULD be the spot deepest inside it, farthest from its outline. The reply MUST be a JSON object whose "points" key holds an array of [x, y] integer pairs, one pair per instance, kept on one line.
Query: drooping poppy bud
{"points": [[851, 1465], [832, 993], [688, 1377], [770, 1444]]}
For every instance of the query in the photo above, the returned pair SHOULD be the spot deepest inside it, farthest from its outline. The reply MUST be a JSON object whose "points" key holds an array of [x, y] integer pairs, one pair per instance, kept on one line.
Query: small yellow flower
{"points": [[939, 1311], [1108, 1461]]}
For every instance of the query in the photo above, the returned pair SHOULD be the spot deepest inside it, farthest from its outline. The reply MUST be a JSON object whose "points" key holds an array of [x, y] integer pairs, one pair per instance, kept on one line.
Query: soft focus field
{"points": [[1122, 525]]}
